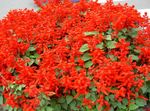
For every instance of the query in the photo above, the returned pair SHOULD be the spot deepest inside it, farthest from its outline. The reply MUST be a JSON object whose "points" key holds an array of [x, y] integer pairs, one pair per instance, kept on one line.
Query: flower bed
{"points": [[81, 56]]}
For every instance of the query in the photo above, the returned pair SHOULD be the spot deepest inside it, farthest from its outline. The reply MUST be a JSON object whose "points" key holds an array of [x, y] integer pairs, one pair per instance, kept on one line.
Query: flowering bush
{"points": [[81, 56]]}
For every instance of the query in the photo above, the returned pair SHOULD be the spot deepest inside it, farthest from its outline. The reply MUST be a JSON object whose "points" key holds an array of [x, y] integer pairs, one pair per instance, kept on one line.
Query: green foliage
{"points": [[86, 57], [140, 102], [32, 55], [84, 48], [16, 89], [100, 45], [91, 33], [133, 107], [88, 64], [110, 44], [69, 99]]}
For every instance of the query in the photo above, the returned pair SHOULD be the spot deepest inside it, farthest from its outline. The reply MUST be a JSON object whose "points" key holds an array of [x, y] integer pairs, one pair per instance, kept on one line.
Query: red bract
{"points": [[72, 47]]}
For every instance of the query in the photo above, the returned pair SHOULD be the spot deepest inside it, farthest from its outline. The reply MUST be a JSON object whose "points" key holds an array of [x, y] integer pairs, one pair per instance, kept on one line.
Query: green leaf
{"points": [[100, 45], [114, 104], [109, 31], [37, 61], [88, 64], [112, 109], [134, 32], [73, 105], [86, 57], [144, 88], [108, 37], [112, 57], [119, 105], [110, 44], [78, 68], [94, 89], [91, 33], [20, 40], [124, 30], [93, 97], [42, 102], [1, 88], [111, 97], [31, 49], [8, 108], [106, 98], [57, 107], [61, 100], [133, 107], [69, 99], [20, 87], [140, 102], [34, 56], [134, 57], [84, 48], [88, 95], [1, 99], [48, 108], [124, 101], [31, 62], [64, 106]]}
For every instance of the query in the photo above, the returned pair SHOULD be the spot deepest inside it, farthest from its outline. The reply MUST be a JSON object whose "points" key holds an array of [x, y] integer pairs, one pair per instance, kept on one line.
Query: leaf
{"points": [[124, 30], [88, 64], [1, 99], [37, 61], [134, 32], [42, 102], [112, 57], [31, 62], [88, 95], [1, 88], [34, 56], [31, 49], [108, 37], [57, 107], [119, 104], [86, 57], [64, 106], [140, 102], [110, 44], [106, 98], [112, 109], [100, 45], [20, 87], [109, 31], [8, 108], [20, 40], [111, 97], [124, 101], [93, 97], [144, 88], [61, 100], [48, 108], [94, 89], [69, 99], [73, 105], [133, 107], [78, 68], [84, 48], [134, 57], [91, 33]]}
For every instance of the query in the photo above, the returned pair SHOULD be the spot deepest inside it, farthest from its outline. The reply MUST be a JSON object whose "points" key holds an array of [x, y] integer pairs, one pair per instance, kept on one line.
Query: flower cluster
{"points": [[82, 49]]}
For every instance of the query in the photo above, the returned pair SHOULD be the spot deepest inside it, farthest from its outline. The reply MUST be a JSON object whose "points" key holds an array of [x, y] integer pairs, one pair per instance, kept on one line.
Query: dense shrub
{"points": [[81, 56]]}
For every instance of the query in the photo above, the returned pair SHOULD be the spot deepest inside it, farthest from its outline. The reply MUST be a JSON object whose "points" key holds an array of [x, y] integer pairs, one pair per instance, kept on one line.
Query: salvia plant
{"points": [[82, 56]]}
